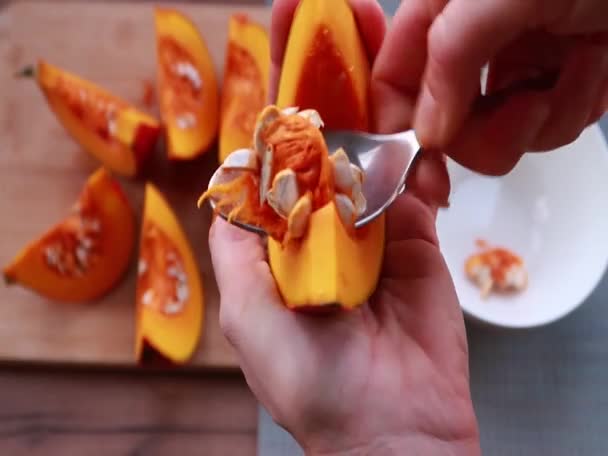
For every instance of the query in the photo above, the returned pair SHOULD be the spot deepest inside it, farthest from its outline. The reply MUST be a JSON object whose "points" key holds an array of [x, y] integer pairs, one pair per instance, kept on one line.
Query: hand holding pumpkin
{"points": [[388, 375]]}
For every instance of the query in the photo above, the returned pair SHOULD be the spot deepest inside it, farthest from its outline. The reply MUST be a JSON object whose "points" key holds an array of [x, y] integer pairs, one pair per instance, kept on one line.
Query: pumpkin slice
{"points": [[325, 67], [108, 127], [307, 202], [169, 296], [244, 89], [188, 92], [85, 255], [331, 265]]}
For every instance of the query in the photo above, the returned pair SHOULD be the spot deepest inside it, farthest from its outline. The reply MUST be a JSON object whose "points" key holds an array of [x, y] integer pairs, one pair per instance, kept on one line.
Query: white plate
{"points": [[552, 209]]}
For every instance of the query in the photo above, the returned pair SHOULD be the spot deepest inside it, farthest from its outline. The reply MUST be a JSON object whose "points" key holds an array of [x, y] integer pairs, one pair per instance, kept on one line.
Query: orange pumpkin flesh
{"points": [[330, 265], [325, 65], [85, 255], [169, 296], [244, 89], [188, 92], [108, 127], [326, 68]]}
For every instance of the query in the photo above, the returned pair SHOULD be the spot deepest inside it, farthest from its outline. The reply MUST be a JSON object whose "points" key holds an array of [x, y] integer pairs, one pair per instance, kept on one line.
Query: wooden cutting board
{"points": [[42, 171]]}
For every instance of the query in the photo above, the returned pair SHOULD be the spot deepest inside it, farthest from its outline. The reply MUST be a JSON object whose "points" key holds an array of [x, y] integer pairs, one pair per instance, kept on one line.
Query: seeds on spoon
{"points": [[284, 194], [313, 116], [287, 176], [346, 208], [349, 179], [245, 159], [299, 216]]}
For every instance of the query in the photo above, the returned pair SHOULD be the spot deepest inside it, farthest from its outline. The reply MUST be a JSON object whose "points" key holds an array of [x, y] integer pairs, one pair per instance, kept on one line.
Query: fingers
{"points": [[249, 299], [371, 23], [429, 180], [493, 140], [399, 66], [464, 36], [368, 15], [535, 56], [575, 96], [577, 16], [504, 126]]}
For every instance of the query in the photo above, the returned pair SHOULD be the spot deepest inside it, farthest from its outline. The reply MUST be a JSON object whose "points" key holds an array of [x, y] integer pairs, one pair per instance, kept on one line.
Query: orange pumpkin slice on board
{"points": [[169, 296], [188, 90], [120, 136], [307, 202], [85, 255], [244, 89]]}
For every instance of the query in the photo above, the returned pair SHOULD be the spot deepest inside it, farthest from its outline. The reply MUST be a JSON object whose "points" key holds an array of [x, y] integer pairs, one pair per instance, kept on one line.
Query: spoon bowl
{"points": [[385, 160]]}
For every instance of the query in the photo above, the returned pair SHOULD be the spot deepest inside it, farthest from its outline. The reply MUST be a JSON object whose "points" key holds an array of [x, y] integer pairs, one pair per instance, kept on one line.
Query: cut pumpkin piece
{"points": [[288, 176], [169, 296], [85, 255], [244, 89], [331, 265], [188, 90], [325, 67], [112, 130], [308, 203]]}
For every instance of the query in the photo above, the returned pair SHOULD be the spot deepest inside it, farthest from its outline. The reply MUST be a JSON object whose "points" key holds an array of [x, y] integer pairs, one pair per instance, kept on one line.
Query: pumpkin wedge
{"points": [[85, 255], [325, 66], [188, 91], [112, 130], [326, 69], [307, 202], [303, 196], [244, 89], [169, 295]]}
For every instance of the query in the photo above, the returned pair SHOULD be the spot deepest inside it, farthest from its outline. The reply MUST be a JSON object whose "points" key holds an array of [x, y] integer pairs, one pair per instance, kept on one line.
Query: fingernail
{"points": [[430, 121]]}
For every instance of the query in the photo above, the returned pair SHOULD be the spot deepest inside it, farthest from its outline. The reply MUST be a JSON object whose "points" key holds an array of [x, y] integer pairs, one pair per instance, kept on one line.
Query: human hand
{"points": [[390, 377], [434, 83]]}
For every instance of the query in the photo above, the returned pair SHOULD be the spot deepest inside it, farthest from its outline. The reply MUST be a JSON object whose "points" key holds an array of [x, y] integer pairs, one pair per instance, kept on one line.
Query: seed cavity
{"points": [[148, 297], [173, 308], [188, 71], [73, 249], [142, 267], [185, 121]]}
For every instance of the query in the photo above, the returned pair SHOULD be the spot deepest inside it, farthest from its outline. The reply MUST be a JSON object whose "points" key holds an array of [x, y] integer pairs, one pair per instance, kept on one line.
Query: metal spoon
{"points": [[385, 160]]}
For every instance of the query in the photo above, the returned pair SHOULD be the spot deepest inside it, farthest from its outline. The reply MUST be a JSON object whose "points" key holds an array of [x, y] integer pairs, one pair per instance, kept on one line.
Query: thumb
{"points": [[249, 298], [252, 316]]}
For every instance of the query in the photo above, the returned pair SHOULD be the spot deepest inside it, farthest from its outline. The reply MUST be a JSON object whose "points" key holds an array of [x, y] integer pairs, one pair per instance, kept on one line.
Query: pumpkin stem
{"points": [[28, 71]]}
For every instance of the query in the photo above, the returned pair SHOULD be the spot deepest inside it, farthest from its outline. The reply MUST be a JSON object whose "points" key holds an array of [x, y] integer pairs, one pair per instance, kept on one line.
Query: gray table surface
{"points": [[535, 392]]}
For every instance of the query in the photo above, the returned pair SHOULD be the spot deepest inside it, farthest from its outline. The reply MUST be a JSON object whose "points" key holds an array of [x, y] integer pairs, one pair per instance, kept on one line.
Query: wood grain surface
{"points": [[42, 170], [75, 412]]}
